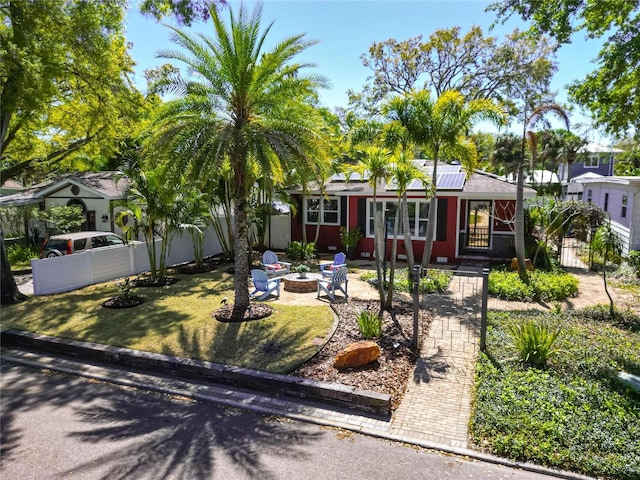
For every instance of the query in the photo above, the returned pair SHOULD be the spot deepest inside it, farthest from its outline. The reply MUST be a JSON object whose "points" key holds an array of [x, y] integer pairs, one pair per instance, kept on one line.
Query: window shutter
{"points": [[300, 211], [343, 211], [441, 226], [362, 215]]}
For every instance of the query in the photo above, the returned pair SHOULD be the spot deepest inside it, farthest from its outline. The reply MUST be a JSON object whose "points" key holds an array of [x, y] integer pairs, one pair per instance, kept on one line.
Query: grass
{"points": [[177, 320], [433, 281], [575, 414]]}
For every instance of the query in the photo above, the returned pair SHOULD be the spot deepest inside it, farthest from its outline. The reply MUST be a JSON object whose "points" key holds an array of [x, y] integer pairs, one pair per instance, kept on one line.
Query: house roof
{"points": [[102, 183], [621, 180], [451, 179], [596, 148]]}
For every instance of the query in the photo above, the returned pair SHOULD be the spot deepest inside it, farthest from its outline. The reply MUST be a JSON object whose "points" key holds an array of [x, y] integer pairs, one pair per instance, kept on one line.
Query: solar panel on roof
{"points": [[448, 169], [450, 181]]}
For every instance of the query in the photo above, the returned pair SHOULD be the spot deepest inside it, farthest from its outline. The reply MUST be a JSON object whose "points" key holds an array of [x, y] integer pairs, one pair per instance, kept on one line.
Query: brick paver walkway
{"points": [[437, 404]]}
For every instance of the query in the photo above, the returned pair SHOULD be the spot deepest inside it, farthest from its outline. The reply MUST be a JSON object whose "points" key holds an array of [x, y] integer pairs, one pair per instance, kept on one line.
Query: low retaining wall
{"points": [[343, 395]]}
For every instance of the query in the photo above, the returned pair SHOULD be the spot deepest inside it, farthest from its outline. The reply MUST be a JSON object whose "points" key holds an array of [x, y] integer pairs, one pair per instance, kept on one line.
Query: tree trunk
{"points": [[379, 252], [241, 260], [519, 224], [392, 271], [431, 225], [8, 287], [408, 244]]}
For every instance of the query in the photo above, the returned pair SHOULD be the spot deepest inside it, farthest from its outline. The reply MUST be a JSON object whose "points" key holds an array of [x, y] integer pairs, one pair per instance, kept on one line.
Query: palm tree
{"points": [[403, 172], [153, 209], [440, 126], [244, 105], [375, 166], [536, 115]]}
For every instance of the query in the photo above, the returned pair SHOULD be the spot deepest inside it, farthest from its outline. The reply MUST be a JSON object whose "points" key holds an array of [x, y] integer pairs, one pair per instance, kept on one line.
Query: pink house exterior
{"points": [[474, 217]]}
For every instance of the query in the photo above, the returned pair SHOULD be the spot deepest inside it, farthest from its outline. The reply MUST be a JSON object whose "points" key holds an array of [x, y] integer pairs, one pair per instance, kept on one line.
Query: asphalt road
{"points": [[57, 426]]}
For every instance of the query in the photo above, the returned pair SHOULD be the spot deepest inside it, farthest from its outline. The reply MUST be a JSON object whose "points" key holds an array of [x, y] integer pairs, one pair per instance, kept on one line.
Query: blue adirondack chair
{"points": [[339, 261], [338, 281], [273, 266], [262, 283]]}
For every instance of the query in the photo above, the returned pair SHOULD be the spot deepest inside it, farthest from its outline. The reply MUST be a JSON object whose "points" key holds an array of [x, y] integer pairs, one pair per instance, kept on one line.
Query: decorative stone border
{"points": [[272, 383]]}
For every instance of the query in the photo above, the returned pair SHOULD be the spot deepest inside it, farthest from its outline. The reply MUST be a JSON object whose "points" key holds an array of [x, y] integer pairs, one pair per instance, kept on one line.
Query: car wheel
{"points": [[54, 253]]}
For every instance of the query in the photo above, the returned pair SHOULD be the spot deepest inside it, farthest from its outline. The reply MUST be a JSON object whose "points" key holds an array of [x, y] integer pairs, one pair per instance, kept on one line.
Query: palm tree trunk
{"points": [[408, 244], [519, 225], [392, 271], [433, 205]]}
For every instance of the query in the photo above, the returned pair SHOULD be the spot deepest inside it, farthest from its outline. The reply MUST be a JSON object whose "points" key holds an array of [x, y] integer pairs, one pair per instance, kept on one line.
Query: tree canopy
{"points": [[610, 92], [478, 66], [64, 82]]}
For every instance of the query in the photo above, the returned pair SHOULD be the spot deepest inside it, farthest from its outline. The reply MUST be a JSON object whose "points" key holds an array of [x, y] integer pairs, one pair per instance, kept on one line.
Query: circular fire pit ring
{"points": [[294, 283]]}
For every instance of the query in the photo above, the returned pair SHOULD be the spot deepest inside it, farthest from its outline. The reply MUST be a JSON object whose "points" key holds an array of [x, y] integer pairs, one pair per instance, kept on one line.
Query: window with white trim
{"points": [[625, 200], [324, 210], [591, 161], [418, 213]]}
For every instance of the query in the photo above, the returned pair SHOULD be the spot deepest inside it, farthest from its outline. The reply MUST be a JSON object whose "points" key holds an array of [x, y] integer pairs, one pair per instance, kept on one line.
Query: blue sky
{"points": [[345, 30]]}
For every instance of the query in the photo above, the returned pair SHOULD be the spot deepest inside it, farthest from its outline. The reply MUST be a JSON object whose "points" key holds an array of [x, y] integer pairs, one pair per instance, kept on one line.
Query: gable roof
{"points": [[101, 183], [451, 179]]}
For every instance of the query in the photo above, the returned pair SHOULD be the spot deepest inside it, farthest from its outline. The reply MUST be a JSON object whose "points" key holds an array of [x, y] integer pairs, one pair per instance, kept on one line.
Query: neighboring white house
{"points": [[619, 197], [96, 193]]}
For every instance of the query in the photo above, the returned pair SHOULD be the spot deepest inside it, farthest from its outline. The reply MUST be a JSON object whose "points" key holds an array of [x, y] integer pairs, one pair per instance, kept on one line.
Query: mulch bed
{"points": [[147, 282], [390, 372], [256, 311], [123, 302]]}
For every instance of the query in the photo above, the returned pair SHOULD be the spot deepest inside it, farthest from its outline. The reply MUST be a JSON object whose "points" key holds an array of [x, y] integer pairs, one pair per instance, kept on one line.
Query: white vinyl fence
{"points": [[69, 272]]}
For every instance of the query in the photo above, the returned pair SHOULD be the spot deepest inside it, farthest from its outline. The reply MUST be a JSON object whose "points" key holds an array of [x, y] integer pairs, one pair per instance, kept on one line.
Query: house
{"points": [[590, 158], [96, 193], [619, 197], [474, 214]]}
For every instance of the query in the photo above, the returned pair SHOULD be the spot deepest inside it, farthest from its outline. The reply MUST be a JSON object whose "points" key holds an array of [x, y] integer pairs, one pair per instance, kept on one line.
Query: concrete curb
{"points": [[270, 383], [252, 403]]}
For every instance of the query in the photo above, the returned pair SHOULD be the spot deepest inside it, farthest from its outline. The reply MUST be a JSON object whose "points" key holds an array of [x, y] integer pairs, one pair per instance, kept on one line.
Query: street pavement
{"points": [[59, 426]]}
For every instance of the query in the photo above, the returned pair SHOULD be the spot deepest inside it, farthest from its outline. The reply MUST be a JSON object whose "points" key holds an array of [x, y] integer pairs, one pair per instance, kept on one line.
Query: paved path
{"points": [[437, 404]]}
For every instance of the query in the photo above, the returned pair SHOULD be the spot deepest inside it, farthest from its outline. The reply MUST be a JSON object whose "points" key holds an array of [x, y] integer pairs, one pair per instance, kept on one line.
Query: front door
{"points": [[479, 224]]}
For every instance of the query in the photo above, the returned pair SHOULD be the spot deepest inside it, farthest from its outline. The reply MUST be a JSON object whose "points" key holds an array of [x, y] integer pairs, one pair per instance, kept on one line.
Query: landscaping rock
{"points": [[357, 355], [527, 264]]}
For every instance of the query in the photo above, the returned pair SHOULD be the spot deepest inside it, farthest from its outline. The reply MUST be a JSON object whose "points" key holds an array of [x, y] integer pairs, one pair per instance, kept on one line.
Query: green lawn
{"points": [[177, 320], [574, 415]]}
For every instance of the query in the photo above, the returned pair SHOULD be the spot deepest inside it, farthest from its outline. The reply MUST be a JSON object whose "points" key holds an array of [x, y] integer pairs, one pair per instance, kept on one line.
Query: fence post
{"points": [[483, 314], [416, 305]]}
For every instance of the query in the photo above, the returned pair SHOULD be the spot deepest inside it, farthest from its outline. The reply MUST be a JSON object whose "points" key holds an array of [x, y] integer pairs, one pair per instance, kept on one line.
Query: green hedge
{"points": [[543, 286]]}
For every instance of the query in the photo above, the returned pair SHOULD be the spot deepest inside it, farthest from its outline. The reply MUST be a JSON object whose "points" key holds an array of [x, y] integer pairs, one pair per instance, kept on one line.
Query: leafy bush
{"points": [[20, 255], [534, 342], [433, 281], [575, 415], [370, 324], [545, 286], [301, 250], [634, 261]]}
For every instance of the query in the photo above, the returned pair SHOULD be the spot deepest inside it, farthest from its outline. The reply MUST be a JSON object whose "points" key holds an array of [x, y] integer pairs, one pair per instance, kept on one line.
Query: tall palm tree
{"points": [[403, 172], [375, 166], [439, 126], [244, 105], [529, 137]]}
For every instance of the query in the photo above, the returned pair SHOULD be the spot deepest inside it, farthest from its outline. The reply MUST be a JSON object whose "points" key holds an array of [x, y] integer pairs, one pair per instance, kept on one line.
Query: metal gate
{"points": [[574, 253]]}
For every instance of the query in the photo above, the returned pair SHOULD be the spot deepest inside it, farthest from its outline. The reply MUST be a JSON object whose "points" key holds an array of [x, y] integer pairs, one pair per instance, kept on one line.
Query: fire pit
{"points": [[294, 283]]}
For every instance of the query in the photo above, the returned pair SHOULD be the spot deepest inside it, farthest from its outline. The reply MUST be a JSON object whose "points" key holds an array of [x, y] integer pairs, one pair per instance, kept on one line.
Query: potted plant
{"points": [[302, 270], [349, 240]]}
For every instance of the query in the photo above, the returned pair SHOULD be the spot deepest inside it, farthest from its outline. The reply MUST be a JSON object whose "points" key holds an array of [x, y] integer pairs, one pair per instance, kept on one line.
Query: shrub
{"points": [[21, 255], [370, 324], [634, 261], [301, 250], [534, 342], [433, 281], [545, 286]]}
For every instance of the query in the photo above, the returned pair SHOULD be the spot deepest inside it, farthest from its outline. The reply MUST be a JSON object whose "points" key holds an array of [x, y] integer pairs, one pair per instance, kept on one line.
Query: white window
{"points": [[591, 162], [326, 211], [418, 216], [625, 200], [589, 195]]}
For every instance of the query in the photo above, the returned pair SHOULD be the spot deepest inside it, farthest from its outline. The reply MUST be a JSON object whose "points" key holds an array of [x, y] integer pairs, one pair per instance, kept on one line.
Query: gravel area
{"points": [[390, 372]]}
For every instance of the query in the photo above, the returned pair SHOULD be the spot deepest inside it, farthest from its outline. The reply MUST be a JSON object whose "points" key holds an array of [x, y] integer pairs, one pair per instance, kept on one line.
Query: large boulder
{"points": [[357, 354]]}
